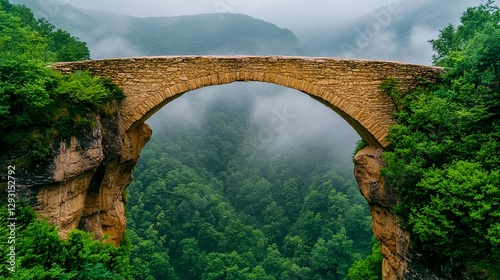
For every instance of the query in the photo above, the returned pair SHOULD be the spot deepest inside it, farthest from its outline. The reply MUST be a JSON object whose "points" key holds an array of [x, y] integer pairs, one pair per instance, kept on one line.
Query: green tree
{"points": [[332, 259], [369, 268], [42, 254], [469, 194], [443, 158]]}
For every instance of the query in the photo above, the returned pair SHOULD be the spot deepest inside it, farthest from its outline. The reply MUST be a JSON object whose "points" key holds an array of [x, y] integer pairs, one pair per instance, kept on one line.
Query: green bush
{"points": [[369, 268], [42, 254]]}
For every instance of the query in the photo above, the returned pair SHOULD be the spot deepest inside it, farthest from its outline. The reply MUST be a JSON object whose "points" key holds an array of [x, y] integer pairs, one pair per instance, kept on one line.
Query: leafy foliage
{"points": [[42, 254], [36, 103], [39, 38], [444, 155], [369, 268]]}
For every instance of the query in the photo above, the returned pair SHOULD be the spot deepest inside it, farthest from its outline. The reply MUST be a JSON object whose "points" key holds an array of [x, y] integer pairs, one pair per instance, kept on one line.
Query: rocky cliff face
{"points": [[82, 185], [402, 260], [394, 240]]}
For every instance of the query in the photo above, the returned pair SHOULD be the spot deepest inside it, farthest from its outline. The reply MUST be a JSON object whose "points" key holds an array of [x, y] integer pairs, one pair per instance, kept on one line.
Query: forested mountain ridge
{"points": [[111, 35]]}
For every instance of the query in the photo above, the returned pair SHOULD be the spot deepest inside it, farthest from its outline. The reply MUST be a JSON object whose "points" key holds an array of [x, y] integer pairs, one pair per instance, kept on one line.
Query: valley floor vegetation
{"points": [[40, 253]]}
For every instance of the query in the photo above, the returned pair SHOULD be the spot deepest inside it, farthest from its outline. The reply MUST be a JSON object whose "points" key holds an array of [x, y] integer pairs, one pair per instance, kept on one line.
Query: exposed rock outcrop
{"points": [[82, 185], [394, 240]]}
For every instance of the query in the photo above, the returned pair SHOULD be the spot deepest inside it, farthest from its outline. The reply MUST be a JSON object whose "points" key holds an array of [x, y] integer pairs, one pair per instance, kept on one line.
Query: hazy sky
{"points": [[265, 9], [306, 120], [293, 14], [318, 23]]}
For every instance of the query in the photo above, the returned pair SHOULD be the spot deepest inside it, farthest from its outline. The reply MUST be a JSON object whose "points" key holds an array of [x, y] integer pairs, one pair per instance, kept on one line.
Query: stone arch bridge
{"points": [[85, 183], [349, 87]]}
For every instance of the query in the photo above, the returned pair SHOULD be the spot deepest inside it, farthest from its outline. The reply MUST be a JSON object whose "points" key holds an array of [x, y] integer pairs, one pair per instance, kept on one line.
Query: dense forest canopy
{"points": [[444, 158]]}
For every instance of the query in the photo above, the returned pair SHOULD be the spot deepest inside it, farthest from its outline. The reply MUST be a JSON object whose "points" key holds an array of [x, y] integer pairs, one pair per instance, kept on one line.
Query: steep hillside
{"points": [[113, 35]]}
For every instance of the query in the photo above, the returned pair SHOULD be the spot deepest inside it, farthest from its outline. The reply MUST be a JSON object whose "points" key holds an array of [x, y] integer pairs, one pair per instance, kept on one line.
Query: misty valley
{"points": [[219, 194]]}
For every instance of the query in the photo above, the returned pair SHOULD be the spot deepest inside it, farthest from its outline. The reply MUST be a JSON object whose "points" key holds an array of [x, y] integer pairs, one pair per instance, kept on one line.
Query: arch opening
{"points": [[315, 92], [189, 198], [288, 111]]}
